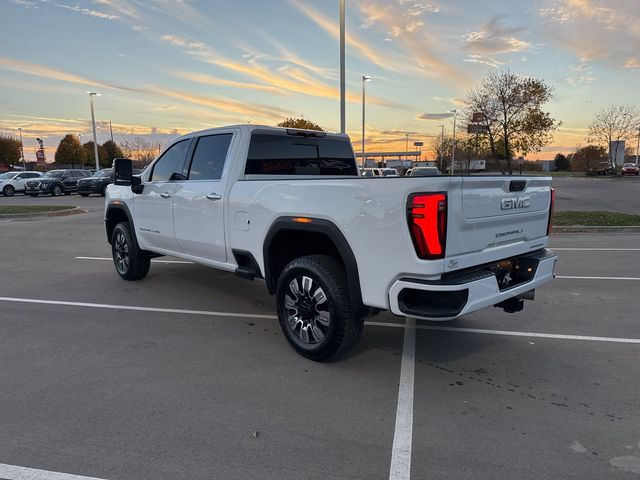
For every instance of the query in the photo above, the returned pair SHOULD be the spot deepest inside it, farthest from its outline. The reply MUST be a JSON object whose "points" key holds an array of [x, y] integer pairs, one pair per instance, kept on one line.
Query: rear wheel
{"points": [[314, 308], [130, 262], [8, 191]]}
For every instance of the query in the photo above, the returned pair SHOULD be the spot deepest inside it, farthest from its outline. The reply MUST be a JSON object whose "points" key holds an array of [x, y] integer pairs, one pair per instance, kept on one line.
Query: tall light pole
{"points": [[406, 146], [93, 124], [343, 126], [365, 79], [441, 148], [453, 147], [637, 148], [24, 164]]}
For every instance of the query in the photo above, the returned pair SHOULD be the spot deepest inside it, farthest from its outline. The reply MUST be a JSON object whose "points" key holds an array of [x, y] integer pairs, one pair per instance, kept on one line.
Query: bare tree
{"points": [[511, 108], [140, 150], [613, 124]]}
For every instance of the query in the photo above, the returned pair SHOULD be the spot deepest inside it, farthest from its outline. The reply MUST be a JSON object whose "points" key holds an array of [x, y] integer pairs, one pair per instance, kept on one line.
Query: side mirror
{"points": [[122, 171], [136, 184]]}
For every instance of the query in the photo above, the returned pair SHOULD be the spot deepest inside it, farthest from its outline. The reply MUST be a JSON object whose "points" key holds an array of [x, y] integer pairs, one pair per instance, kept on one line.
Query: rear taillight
{"points": [[551, 204], [427, 218]]}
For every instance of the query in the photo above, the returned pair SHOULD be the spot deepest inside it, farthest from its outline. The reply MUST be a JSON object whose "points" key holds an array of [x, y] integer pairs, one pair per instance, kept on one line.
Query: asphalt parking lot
{"points": [[186, 375]]}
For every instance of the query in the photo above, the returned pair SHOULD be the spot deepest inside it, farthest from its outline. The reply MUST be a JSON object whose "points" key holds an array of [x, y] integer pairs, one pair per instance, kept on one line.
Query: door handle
{"points": [[214, 196], [166, 195]]}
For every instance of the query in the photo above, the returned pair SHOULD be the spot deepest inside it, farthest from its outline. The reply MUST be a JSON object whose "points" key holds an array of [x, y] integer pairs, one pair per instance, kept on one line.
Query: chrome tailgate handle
{"points": [[214, 196]]}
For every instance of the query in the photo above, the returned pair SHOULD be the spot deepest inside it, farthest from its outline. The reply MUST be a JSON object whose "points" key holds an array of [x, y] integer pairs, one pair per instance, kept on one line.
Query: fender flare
{"points": [[321, 226]]}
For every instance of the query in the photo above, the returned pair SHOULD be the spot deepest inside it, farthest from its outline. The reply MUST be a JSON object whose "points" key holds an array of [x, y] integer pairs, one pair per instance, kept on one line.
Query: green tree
{"points": [[113, 151], [91, 158], [511, 107], [300, 123], [70, 152], [9, 151], [563, 164], [588, 159]]}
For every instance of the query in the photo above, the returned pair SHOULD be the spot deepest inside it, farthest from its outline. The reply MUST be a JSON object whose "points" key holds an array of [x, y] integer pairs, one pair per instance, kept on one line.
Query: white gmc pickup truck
{"points": [[290, 207]]}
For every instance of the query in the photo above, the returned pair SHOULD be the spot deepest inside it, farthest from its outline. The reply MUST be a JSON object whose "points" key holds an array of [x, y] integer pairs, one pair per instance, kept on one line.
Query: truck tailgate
{"points": [[493, 213]]}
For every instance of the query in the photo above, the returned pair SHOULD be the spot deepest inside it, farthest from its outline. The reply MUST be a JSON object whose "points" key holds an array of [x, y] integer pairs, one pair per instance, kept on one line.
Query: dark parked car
{"points": [[56, 182], [97, 183]]}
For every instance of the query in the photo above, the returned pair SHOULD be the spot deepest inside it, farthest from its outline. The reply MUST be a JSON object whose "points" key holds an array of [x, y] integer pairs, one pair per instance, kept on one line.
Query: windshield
{"points": [[7, 175], [107, 172], [53, 173]]}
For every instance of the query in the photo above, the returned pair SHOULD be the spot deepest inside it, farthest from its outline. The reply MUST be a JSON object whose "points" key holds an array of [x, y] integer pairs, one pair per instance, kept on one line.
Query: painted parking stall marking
{"points": [[13, 472]]}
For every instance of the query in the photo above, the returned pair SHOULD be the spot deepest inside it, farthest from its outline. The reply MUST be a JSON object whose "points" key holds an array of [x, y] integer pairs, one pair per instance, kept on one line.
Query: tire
{"points": [[84, 194], [56, 191], [8, 191], [103, 191], [131, 264], [314, 308]]}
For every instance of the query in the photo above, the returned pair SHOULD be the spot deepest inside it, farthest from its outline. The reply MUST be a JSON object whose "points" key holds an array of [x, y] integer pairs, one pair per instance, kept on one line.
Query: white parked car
{"points": [[371, 172], [289, 206], [12, 182]]}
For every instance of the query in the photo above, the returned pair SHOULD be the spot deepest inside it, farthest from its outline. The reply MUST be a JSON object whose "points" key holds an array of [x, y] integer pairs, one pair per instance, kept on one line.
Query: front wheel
{"points": [[130, 262], [314, 308], [8, 191], [56, 191]]}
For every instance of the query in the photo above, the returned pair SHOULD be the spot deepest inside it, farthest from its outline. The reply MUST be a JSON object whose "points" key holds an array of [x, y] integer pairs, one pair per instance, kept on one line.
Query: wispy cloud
{"points": [[495, 38], [433, 116], [56, 74], [266, 112], [484, 60], [597, 30], [332, 28], [413, 40], [211, 80]]}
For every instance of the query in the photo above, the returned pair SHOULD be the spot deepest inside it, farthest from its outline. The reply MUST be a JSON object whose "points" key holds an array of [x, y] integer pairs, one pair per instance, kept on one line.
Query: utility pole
{"points": [[441, 152], [111, 131], [365, 79], [406, 146], [638, 147], [343, 126], [93, 122], [24, 164], [453, 147]]}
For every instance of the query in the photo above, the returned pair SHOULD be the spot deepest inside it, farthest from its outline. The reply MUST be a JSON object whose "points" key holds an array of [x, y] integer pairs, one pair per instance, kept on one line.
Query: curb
{"points": [[595, 229], [58, 213]]}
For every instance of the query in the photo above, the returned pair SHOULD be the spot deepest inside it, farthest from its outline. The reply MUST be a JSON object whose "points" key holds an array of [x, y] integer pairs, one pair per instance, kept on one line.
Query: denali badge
{"points": [[511, 203]]}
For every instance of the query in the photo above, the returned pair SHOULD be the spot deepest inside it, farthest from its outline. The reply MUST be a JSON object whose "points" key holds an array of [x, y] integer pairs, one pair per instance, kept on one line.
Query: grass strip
{"points": [[27, 209], [595, 219]]}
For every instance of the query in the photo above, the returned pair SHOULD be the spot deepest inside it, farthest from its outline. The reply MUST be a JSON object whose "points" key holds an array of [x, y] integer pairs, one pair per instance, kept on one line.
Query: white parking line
{"points": [[153, 260], [574, 277], [273, 317], [403, 435], [509, 333], [12, 472], [136, 308]]}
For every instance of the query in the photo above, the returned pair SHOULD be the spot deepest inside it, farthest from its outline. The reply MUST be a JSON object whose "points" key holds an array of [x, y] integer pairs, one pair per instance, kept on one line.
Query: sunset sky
{"points": [[165, 67]]}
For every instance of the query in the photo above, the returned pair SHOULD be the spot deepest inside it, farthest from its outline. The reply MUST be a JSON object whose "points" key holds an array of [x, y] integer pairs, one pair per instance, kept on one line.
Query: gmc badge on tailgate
{"points": [[513, 203]]}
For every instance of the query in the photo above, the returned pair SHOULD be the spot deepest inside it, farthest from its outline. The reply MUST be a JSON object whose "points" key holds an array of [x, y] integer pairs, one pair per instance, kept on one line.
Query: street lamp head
{"points": [[94, 94], [366, 78]]}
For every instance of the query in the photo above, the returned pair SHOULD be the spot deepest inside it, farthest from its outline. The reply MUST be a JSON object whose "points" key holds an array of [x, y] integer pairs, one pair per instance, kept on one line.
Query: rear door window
{"points": [[209, 157], [289, 155]]}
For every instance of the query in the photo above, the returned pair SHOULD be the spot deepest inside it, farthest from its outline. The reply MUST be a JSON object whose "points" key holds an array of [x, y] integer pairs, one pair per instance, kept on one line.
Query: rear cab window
{"points": [[274, 154]]}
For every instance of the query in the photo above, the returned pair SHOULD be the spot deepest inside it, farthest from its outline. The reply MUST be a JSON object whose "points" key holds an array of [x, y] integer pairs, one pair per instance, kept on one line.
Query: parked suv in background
{"points": [[12, 182], [97, 183], [56, 182]]}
